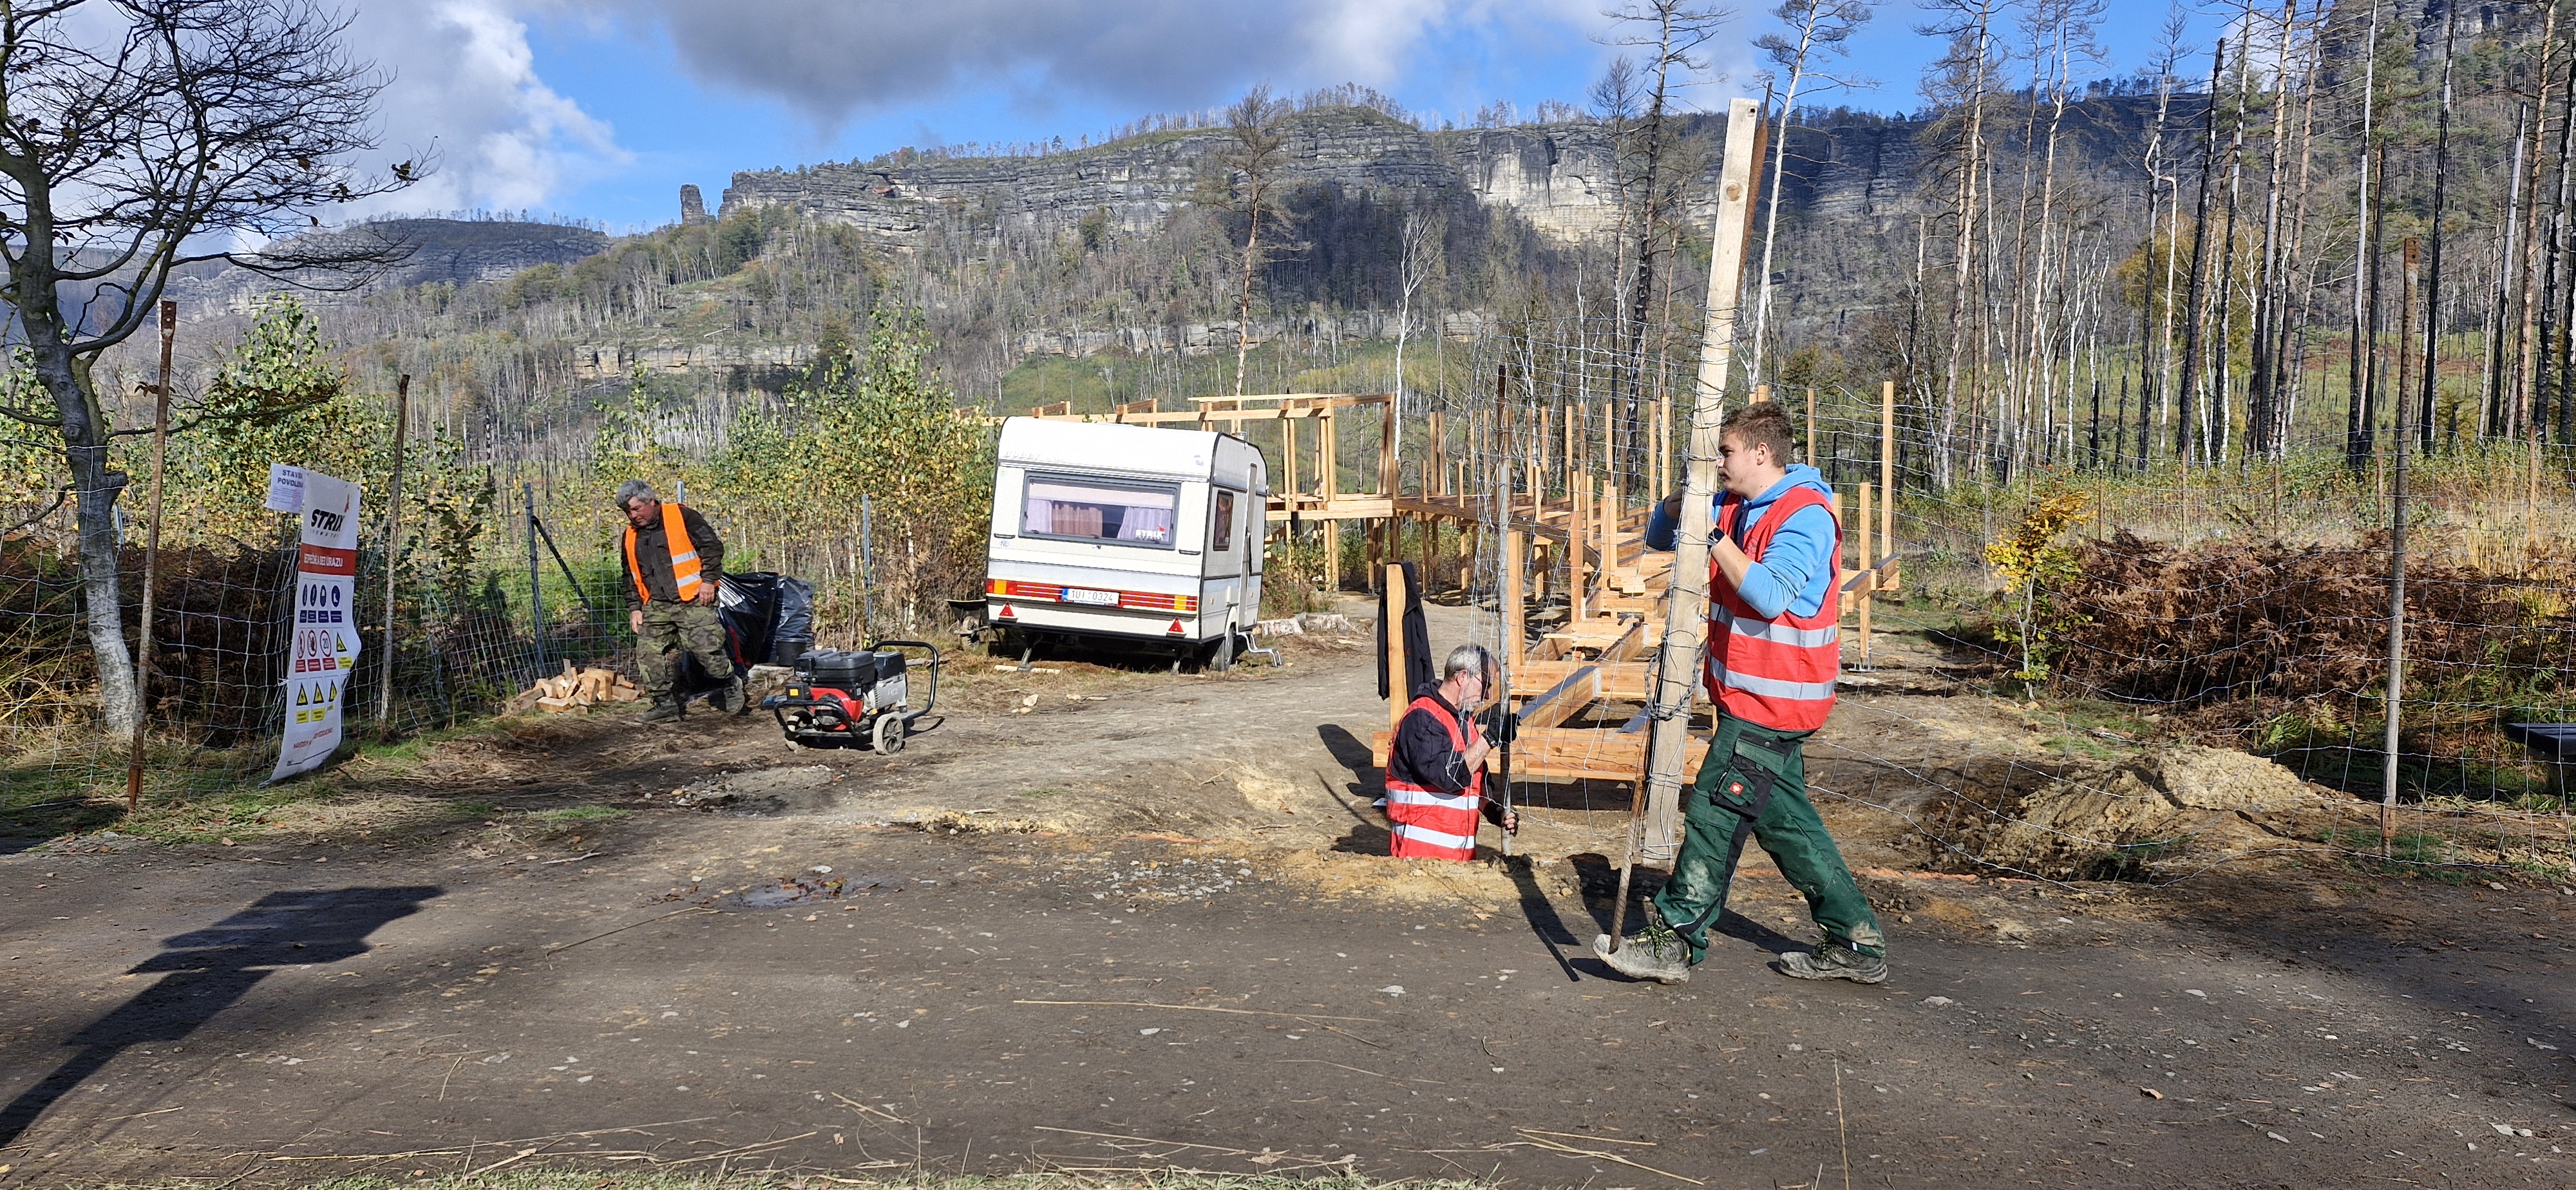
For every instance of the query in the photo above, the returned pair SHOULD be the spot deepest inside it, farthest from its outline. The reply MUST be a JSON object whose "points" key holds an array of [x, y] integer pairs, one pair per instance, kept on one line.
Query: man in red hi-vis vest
{"points": [[674, 564], [1435, 766], [1774, 651]]}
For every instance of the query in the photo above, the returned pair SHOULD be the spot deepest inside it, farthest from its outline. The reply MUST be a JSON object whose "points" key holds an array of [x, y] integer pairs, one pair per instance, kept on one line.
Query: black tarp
{"points": [[1418, 668]]}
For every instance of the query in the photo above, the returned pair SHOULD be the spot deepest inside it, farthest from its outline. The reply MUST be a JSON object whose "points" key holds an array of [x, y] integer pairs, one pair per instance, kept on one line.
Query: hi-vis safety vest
{"points": [[1429, 824], [1775, 673], [684, 555]]}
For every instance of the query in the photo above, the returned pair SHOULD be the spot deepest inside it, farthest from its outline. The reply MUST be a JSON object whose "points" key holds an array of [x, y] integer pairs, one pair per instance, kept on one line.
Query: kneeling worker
{"points": [[674, 561], [1435, 765], [1774, 651]]}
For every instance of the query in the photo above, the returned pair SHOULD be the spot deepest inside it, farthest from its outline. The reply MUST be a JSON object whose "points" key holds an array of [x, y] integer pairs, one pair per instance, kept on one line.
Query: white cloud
{"points": [[465, 88], [830, 60]]}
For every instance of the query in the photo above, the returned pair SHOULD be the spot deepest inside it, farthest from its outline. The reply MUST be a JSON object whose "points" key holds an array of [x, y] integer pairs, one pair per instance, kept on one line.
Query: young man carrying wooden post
{"points": [[1774, 652]]}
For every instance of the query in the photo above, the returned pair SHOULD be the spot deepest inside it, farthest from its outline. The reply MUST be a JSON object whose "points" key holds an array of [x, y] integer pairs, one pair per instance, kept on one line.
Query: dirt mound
{"points": [[2158, 816]]}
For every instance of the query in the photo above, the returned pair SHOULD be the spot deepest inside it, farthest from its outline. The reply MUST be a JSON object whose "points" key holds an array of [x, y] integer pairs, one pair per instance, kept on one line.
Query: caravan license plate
{"points": [[1093, 598]]}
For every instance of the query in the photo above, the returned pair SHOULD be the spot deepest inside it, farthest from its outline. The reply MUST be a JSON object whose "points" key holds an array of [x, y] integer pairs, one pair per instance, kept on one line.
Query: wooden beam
{"points": [[1564, 700], [1686, 603], [1623, 680]]}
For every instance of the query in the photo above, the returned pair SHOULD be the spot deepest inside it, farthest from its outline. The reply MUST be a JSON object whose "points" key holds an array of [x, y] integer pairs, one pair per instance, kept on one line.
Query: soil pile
{"points": [[2159, 816]]}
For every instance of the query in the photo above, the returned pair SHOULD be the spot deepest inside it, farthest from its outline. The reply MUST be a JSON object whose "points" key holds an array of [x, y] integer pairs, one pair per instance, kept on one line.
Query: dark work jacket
{"points": [[1421, 754], [653, 553]]}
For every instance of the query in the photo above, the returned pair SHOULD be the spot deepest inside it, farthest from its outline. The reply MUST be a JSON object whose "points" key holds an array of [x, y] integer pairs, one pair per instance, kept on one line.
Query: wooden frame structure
{"points": [[1581, 689]]}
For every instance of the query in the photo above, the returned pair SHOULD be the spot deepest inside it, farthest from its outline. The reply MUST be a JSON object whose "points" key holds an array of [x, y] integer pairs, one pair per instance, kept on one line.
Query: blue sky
{"points": [[601, 109]]}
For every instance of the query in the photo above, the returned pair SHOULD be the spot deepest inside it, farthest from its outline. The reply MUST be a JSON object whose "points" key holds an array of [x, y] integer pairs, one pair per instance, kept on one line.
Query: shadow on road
{"points": [[205, 971]]}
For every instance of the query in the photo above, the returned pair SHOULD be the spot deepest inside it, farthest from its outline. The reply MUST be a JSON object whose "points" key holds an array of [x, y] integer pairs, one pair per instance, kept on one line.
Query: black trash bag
{"points": [[758, 610]]}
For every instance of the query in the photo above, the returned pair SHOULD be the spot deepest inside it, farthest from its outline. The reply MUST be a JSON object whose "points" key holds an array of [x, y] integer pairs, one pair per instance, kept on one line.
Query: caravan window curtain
{"points": [[1090, 511]]}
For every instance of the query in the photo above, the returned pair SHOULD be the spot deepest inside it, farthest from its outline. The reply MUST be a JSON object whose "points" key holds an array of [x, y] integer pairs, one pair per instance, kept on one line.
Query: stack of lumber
{"points": [[575, 690]]}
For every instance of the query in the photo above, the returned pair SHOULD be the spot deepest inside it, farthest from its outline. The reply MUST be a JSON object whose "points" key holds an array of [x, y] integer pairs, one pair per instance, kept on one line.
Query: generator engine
{"points": [[852, 697]]}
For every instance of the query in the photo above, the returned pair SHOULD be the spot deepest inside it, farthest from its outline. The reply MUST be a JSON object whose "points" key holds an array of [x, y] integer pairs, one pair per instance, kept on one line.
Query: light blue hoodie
{"points": [[1794, 575]]}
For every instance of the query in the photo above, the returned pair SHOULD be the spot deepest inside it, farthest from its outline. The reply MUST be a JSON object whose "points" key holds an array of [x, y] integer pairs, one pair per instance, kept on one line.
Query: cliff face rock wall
{"points": [[1561, 178]]}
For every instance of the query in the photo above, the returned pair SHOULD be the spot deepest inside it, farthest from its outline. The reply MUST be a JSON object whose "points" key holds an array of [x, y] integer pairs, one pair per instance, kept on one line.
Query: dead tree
{"points": [[1819, 27], [136, 135], [1252, 163], [1963, 79], [1672, 30]]}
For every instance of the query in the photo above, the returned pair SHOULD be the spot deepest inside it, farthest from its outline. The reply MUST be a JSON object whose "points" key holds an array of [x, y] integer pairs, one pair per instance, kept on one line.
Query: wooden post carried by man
{"points": [[1677, 669]]}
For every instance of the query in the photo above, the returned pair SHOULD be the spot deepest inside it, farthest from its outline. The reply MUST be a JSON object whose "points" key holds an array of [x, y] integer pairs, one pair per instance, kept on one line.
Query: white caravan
{"points": [[1131, 536]]}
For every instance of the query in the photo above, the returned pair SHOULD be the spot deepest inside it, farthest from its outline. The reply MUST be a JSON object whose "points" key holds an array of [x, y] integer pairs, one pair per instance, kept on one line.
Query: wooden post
{"points": [[1869, 566], [1686, 605], [1435, 473], [1609, 538], [1663, 445], [1399, 694], [1578, 526], [1887, 476], [393, 547], [1515, 553], [1811, 425], [169, 313]]}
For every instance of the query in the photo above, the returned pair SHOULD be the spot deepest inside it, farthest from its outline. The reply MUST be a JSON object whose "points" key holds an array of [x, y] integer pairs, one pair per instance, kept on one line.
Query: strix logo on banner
{"points": [[323, 649]]}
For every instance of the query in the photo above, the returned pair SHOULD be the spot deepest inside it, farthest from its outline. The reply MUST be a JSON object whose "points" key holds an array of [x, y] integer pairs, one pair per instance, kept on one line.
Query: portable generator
{"points": [[843, 698]]}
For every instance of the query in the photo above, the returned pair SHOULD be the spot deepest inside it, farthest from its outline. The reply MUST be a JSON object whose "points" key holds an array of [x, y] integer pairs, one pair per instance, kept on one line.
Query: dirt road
{"points": [[1131, 932]]}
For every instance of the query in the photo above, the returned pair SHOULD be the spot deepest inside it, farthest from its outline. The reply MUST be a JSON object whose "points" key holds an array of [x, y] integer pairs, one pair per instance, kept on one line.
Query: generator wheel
{"points": [[889, 734]]}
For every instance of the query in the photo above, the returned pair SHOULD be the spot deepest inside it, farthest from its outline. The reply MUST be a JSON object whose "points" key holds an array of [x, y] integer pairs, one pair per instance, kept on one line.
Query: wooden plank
{"points": [[1629, 643], [1566, 754], [1624, 680], [1686, 605], [1580, 689]]}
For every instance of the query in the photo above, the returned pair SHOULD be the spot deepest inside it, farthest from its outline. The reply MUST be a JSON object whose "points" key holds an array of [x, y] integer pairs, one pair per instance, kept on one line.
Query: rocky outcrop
{"points": [[1561, 178], [453, 251]]}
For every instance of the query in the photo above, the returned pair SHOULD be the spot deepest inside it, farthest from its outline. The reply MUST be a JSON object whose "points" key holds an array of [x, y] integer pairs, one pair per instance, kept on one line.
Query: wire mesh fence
{"points": [[2195, 672]]}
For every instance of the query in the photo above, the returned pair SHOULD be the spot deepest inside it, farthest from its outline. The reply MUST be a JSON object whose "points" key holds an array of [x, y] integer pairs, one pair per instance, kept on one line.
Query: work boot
{"points": [[734, 700], [1643, 958], [664, 709], [1833, 960]]}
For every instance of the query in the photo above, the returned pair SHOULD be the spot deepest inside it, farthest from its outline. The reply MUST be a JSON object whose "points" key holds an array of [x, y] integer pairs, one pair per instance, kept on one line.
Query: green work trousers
{"points": [[671, 629], [1744, 760]]}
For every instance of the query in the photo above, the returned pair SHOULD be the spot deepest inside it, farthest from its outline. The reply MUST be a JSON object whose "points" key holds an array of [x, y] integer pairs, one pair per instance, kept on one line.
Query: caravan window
{"points": [[1221, 534], [1085, 510]]}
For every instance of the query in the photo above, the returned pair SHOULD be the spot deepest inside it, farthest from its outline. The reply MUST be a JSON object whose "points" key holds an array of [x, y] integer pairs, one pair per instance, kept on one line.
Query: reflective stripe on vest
{"points": [[1427, 823], [684, 555], [1777, 672]]}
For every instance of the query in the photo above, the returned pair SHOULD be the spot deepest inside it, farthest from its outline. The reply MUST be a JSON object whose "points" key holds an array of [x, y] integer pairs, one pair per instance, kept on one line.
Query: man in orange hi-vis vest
{"points": [[1435, 766], [1774, 652], [674, 561]]}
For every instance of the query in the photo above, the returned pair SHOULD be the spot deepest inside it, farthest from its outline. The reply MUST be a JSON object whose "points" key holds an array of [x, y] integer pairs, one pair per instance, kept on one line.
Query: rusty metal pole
{"points": [[151, 562], [393, 543]]}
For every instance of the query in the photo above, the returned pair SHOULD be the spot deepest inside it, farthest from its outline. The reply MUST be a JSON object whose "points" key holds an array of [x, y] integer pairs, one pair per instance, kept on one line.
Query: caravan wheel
{"points": [[1221, 655]]}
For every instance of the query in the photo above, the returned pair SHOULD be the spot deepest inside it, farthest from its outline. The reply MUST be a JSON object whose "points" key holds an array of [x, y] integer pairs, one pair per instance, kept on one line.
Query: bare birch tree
{"points": [[138, 137]]}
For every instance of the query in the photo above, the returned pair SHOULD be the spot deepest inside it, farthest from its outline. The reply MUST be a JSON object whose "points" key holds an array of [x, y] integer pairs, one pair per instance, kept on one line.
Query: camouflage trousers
{"points": [[671, 629], [1754, 783]]}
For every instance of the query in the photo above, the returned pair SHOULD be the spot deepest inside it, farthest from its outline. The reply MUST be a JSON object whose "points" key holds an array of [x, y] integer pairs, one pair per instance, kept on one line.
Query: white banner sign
{"points": [[323, 651]]}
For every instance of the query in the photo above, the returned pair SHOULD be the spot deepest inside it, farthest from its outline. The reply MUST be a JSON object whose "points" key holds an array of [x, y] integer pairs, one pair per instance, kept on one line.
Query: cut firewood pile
{"points": [[575, 690]]}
